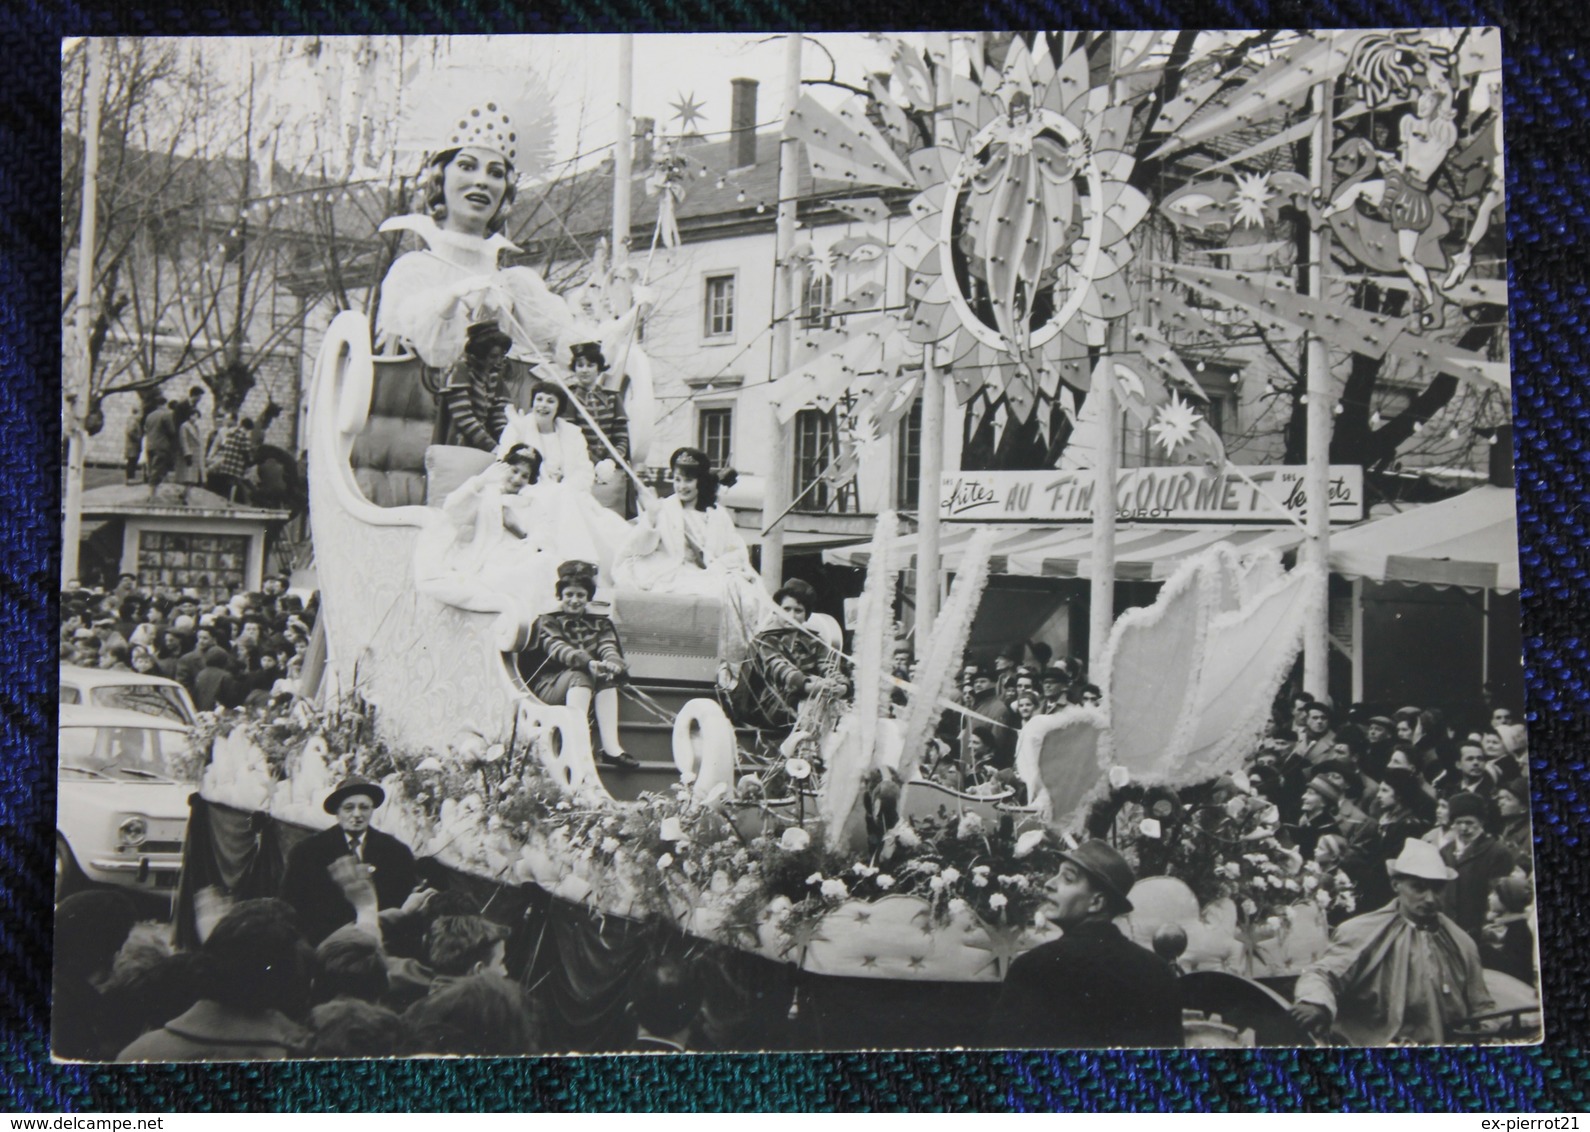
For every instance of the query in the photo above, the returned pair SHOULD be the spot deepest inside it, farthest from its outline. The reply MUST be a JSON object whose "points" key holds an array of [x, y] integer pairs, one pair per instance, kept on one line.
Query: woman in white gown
{"points": [[430, 297], [574, 524], [489, 554], [687, 544]]}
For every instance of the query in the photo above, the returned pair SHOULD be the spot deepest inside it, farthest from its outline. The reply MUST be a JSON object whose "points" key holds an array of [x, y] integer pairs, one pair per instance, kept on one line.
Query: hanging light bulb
{"points": [[1417, 426], [1200, 367], [760, 207], [1455, 434], [722, 182], [1303, 400], [1376, 419], [740, 196], [1336, 410]]}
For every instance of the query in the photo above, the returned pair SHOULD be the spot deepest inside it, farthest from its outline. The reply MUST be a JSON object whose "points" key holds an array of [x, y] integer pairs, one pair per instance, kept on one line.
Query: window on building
{"points": [[815, 446], [817, 301], [719, 306], [714, 435], [908, 459]]}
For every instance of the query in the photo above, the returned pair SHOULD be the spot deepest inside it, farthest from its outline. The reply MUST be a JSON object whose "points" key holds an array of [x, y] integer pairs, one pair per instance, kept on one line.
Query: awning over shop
{"points": [[1470, 540], [1143, 552]]}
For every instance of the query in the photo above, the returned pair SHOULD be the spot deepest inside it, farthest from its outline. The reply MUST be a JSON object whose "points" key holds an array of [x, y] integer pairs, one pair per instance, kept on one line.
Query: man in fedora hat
{"points": [[309, 885], [1093, 987], [1404, 973]]}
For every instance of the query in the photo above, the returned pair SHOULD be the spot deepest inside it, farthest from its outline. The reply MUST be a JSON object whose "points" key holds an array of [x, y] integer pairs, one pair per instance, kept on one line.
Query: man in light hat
{"points": [[309, 884], [1404, 973], [1092, 988]]}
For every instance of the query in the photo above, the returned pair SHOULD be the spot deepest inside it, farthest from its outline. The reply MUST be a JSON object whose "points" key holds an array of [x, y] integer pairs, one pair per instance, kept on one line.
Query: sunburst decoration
{"points": [[1022, 227], [1252, 199], [1021, 218], [1175, 424]]}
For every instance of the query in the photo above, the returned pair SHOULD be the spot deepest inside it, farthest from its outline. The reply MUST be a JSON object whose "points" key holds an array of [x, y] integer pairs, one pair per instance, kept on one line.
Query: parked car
{"points": [[122, 807], [131, 691]]}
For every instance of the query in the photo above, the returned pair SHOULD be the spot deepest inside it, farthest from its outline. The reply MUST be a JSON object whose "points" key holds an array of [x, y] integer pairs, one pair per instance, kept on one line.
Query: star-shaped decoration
{"points": [[869, 960], [687, 112], [1175, 423], [917, 962], [1252, 198], [863, 917]]}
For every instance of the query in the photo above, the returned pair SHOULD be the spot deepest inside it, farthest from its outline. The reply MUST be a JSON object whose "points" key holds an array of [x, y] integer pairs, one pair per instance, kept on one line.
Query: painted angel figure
{"points": [[1020, 213]]}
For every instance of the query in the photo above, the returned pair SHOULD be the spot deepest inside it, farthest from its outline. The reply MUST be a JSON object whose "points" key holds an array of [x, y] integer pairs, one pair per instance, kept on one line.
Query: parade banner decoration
{"points": [[1260, 495]]}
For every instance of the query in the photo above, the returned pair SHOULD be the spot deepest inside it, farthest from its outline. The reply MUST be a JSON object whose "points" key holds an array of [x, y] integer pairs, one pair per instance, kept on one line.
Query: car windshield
{"points": [[122, 752], [159, 700]]}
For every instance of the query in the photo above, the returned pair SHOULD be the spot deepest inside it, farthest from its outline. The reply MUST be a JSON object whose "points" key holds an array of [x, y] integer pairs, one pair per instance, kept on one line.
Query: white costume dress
{"points": [[573, 524], [678, 549], [473, 561], [429, 298]]}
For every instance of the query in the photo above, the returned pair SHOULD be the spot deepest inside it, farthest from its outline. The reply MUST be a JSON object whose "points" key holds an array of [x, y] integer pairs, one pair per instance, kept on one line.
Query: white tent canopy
{"points": [[1470, 540]]}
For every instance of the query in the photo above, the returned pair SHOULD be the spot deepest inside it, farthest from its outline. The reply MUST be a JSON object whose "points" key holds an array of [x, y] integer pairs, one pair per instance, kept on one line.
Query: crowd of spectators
{"points": [[243, 650]]}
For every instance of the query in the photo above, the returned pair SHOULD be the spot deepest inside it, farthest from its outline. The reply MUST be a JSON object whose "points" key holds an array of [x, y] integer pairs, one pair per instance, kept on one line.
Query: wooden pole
{"points": [[775, 498], [623, 143], [1321, 405], [77, 404], [1101, 593]]}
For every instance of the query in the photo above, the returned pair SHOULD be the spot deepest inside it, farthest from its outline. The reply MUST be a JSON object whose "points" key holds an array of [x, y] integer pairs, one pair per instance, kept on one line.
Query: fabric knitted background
{"points": [[1548, 144]]}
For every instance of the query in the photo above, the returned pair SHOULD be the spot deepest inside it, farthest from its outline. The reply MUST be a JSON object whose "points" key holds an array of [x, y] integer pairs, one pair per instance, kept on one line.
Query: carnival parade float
{"points": [[845, 897]]}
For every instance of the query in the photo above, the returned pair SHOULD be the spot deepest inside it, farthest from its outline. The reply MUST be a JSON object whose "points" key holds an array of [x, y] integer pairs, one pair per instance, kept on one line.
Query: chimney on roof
{"points": [[742, 124], [644, 128]]}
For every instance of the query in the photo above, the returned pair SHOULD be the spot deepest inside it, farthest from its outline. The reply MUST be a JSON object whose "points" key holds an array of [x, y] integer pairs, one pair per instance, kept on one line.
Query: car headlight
{"points": [[133, 831]]}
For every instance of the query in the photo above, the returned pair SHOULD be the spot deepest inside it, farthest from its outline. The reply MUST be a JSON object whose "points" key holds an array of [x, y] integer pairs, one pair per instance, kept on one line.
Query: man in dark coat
{"points": [[1093, 987], [1477, 858], [308, 885]]}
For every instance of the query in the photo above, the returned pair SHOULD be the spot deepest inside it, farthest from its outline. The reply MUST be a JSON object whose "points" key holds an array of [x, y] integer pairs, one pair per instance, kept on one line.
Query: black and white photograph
{"points": [[788, 542]]}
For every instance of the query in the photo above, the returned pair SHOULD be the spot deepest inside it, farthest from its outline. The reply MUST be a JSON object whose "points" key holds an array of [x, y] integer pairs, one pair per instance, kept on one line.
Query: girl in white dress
{"points": [[490, 555], [686, 543], [576, 526]]}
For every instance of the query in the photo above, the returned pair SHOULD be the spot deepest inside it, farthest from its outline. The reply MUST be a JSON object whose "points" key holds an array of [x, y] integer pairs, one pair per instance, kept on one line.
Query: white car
{"points": [[122, 807], [131, 691]]}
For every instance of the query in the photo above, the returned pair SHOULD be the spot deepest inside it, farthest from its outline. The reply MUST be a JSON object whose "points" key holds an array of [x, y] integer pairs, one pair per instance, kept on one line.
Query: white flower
{"points": [[794, 839], [1150, 828], [864, 870], [1231, 869], [1027, 842], [670, 829], [688, 866], [1119, 776], [980, 880], [1322, 897], [797, 768], [835, 888], [1249, 908], [815, 878], [981, 870], [936, 884], [494, 752], [997, 901], [610, 845], [971, 825], [885, 881], [665, 860], [906, 836], [957, 906], [951, 875], [430, 765], [687, 776]]}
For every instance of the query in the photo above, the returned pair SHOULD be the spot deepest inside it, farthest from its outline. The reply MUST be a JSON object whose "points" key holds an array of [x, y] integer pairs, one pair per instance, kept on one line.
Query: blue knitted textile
{"points": [[1548, 135]]}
